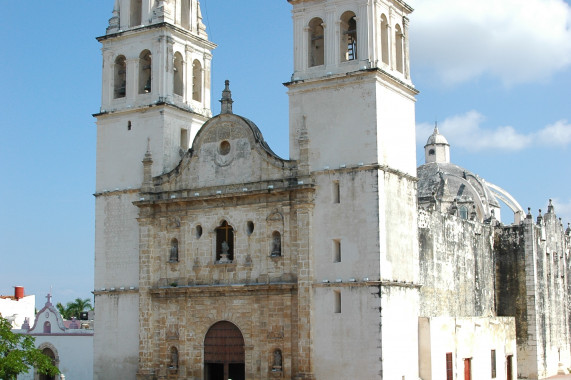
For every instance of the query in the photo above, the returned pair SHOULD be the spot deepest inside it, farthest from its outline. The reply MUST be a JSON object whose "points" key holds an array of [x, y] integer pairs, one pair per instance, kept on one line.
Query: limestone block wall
{"points": [[456, 266]]}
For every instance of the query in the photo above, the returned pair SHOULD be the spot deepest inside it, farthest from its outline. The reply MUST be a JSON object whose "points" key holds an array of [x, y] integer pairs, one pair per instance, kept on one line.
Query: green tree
{"points": [[18, 354]]}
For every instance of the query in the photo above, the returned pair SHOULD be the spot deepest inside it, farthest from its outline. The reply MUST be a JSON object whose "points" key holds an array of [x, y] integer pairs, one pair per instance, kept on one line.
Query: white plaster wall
{"points": [[347, 345], [22, 308], [340, 117], [466, 338], [396, 134], [399, 326], [75, 356], [349, 221], [116, 340], [120, 151]]}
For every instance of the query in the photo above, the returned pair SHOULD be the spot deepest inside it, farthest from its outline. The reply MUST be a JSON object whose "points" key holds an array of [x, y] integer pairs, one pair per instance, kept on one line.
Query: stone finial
{"points": [[529, 213], [26, 324], [539, 217], [226, 98], [550, 208], [147, 168], [568, 230]]}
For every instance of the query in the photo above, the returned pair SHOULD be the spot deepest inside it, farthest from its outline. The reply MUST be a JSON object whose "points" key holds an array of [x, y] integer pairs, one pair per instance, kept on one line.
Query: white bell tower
{"points": [[155, 96], [351, 96]]}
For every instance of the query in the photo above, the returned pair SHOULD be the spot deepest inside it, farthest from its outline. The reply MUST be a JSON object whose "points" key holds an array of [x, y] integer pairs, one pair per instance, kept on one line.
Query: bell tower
{"points": [[353, 102], [155, 96]]}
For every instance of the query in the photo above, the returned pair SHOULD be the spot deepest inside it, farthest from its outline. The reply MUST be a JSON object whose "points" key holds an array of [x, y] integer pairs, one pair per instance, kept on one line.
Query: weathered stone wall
{"points": [[532, 262], [456, 266]]}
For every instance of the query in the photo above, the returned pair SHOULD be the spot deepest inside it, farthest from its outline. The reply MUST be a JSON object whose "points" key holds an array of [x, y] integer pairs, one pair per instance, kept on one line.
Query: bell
{"points": [[147, 88]]}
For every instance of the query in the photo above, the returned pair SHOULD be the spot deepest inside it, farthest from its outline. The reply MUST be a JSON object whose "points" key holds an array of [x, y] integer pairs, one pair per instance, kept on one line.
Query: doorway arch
{"points": [[224, 352]]}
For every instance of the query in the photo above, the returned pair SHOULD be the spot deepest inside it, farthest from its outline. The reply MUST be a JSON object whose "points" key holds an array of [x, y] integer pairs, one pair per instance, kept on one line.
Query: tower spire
{"points": [[226, 98]]}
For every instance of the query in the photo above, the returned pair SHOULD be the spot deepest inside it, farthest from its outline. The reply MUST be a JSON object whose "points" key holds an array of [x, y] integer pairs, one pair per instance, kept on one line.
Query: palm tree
{"points": [[74, 309]]}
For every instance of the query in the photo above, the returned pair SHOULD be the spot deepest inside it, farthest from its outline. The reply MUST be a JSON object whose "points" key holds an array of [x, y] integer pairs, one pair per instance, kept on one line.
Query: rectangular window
{"points": [[336, 251], [184, 139], [337, 306], [336, 192], [467, 369], [493, 364], [449, 371]]}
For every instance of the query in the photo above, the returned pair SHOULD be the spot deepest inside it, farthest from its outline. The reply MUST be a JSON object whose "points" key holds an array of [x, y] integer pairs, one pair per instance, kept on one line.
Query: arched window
{"points": [[173, 360], [384, 39], [178, 84], [185, 14], [276, 249], [399, 49], [463, 210], [224, 243], [316, 43], [47, 327], [136, 12], [173, 252], [196, 81], [120, 78], [145, 72], [348, 37]]}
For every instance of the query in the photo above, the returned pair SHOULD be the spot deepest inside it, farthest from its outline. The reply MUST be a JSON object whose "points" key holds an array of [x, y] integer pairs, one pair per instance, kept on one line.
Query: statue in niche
{"points": [[276, 244], [224, 257], [174, 358], [277, 366], [174, 251]]}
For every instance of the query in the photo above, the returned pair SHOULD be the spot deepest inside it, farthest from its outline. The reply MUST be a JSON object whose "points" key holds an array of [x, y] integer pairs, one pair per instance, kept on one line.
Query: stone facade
{"points": [[219, 260]]}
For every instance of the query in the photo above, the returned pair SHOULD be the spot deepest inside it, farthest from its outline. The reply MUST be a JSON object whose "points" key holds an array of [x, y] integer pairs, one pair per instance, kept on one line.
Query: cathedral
{"points": [[216, 259]]}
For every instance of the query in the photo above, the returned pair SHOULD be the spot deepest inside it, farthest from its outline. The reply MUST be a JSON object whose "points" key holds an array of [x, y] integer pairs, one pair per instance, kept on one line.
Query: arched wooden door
{"points": [[224, 356]]}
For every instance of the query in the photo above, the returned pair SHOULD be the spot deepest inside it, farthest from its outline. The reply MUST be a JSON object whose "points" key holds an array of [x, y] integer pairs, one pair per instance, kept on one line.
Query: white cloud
{"points": [[466, 131], [515, 41]]}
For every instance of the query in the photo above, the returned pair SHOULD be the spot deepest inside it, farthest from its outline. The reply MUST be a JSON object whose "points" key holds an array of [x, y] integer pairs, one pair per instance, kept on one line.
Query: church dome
{"points": [[436, 138], [456, 190]]}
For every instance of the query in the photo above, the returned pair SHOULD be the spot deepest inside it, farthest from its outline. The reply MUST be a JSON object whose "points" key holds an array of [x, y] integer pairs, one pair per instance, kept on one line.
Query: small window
{"points": [[493, 359], [173, 253], [336, 251], [276, 244], [337, 301], [224, 243], [120, 77], [184, 139], [196, 81], [431, 152], [145, 71], [449, 369], [249, 227], [198, 231], [348, 37], [336, 192], [316, 43], [129, 125], [178, 75], [47, 327], [463, 210]]}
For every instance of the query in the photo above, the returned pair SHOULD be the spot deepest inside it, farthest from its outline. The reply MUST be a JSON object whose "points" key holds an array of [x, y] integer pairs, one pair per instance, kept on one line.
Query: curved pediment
{"points": [[228, 150]]}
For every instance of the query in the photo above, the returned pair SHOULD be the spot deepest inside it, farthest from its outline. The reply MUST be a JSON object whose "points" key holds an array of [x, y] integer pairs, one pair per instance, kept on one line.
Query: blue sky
{"points": [[496, 75]]}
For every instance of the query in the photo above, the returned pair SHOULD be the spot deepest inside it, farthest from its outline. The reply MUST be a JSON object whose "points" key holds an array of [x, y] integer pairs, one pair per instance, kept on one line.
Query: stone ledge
{"points": [[223, 290]]}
